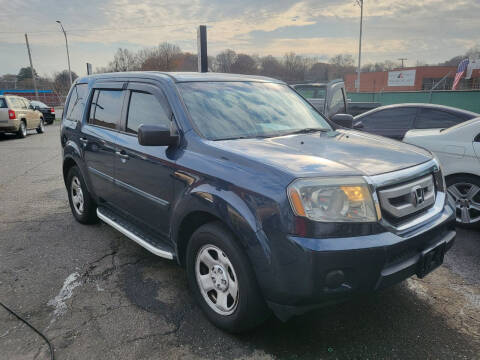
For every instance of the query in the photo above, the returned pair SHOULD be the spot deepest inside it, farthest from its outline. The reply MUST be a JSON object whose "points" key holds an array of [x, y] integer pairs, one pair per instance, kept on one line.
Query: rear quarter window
{"points": [[76, 104], [3, 104], [436, 119]]}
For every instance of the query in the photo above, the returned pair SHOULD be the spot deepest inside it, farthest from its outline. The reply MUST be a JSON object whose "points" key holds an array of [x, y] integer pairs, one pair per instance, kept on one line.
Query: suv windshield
{"points": [[229, 110]]}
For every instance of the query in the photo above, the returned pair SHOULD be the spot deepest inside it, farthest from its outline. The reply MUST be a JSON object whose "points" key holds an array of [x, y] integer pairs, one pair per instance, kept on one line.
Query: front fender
{"points": [[72, 152], [234, 212]]}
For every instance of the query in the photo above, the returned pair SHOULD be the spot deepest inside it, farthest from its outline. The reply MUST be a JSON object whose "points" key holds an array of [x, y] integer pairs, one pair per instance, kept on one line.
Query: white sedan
{"points": [[458, 149]]}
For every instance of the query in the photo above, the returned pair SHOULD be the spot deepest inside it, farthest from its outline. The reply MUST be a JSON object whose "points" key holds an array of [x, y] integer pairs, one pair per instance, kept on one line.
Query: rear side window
{"points": [[3, 104], [76, 105], [145, 109], [400, 118], [17, 103], [106, 109], [436, 119]]}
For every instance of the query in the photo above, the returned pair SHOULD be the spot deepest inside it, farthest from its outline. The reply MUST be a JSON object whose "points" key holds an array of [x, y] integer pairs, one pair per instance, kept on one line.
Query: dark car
{"points": [[47, 111], [394, 121], [266, 203]]}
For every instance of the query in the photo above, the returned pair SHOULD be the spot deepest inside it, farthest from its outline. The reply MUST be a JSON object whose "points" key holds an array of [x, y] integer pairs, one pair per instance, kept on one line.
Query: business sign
{"points": [[401, 78]]}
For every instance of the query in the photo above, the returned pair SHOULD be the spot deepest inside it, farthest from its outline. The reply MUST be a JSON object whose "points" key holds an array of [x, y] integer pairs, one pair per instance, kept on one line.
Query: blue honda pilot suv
{"points": [[267, 204]]}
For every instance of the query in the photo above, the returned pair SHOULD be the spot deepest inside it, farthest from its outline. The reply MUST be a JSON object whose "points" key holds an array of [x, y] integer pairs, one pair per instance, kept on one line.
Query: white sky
{"points": [[421, 30]]}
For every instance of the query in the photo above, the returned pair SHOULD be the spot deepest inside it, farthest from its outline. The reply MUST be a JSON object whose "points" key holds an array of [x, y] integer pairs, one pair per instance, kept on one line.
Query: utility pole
{"points": [[360, 3], [402, 60], [202, 48], [31, 67], [68, 55]]}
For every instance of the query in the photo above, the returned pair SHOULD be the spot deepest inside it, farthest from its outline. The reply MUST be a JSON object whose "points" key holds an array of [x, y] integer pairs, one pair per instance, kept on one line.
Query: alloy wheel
{"points": [[77, 195], [467, 202], [217, 280]]}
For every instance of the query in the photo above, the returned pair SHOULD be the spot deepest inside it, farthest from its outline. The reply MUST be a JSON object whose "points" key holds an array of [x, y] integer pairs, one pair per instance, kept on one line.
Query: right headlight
{"points": [[343, 199]]}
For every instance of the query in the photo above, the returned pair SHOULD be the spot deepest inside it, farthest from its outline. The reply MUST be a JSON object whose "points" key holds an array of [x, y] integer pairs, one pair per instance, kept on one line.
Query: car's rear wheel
{"points": [[222, 279], [22, 131], [41, 127], [81, 202], [465, 191]]}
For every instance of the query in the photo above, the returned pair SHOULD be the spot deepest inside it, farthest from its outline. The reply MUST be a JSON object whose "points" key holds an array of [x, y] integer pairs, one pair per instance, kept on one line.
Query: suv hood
{"points": [[340, 152]]}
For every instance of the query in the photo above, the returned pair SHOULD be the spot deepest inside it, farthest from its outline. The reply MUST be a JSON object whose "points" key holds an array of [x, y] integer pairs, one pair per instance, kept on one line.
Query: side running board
{"points": [[129, 231]]}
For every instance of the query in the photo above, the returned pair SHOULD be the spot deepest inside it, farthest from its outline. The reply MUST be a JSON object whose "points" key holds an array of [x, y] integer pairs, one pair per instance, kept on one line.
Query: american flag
{"points": [[461, 69]]}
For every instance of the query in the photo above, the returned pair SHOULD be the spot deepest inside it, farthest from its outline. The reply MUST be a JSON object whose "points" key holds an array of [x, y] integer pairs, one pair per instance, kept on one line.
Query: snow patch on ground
{"points": [[66, 292]]}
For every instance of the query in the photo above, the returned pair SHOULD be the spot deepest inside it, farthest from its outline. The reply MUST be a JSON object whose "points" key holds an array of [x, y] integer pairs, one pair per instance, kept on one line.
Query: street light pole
{"points": [[68, 55], [360, 3]]}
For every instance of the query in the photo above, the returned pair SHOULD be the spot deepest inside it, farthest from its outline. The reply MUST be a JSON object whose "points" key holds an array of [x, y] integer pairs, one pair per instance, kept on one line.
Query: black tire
{"points": [[22, 131], [41, 127], [89, 213], [251, 309], [461, 180]]}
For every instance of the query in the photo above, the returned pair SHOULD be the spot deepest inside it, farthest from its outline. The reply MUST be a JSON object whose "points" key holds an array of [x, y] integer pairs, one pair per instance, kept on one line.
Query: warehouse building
{"points": [[412, 79]]}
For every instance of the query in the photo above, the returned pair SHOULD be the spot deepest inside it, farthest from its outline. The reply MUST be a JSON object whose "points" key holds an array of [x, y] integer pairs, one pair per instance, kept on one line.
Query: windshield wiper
{"points": [[245, 137], [307, 130]]}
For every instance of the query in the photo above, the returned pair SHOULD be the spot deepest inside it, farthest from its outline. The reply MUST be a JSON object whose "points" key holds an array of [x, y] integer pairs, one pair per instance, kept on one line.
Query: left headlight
{"points": [[345, 199]]}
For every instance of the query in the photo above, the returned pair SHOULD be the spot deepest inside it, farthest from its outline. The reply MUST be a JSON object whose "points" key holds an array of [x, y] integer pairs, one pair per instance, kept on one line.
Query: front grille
{"points": [[401, 203]]}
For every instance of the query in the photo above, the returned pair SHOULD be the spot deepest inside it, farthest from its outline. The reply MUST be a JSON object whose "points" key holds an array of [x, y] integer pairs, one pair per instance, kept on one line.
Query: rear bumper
{"points": [[318, 272], [10, 125]]}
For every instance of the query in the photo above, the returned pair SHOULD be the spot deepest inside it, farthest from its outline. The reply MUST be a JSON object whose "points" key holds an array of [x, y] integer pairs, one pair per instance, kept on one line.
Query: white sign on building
{"points": [[401, 78]]}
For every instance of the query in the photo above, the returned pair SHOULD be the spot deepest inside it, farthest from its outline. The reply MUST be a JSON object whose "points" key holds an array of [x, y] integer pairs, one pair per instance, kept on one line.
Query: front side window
{"points": [[397, 118], [145, 109], [76, 105], [106, 109], [226, 110], [436, 119]]}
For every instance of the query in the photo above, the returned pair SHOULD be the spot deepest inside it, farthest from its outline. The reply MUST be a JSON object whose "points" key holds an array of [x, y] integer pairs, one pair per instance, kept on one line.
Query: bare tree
{"points": [[165, 57], [225, 60], [61, 81], [123, 60], [270, 66], [244, 64], [342, 60], [295, 67]]}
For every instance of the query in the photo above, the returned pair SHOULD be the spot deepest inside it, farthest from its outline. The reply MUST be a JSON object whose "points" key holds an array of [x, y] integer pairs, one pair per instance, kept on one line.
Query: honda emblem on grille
{"points": [[418, 195]]}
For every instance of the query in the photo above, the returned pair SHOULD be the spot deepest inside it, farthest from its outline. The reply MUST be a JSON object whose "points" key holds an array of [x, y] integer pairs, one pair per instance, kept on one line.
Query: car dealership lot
{"points": [[96, 294]]}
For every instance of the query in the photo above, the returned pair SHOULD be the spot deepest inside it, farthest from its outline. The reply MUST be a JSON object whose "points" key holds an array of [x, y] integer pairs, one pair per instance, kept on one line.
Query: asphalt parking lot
{"points": [[97, 295]]}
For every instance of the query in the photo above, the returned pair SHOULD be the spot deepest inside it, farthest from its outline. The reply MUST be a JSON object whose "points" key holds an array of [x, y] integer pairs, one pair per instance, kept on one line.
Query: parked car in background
{"points": [[238, 178], [18, 116], [458, 149], [394, 121], [47, 111], [331, 98]]}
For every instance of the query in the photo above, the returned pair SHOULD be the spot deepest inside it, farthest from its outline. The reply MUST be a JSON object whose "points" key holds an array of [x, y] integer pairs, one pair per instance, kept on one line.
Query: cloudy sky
{"points": [[420, 30]]}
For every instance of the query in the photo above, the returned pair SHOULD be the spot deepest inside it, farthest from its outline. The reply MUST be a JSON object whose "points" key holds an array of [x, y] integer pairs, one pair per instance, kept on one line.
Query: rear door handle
{"points": [[122, 154]]}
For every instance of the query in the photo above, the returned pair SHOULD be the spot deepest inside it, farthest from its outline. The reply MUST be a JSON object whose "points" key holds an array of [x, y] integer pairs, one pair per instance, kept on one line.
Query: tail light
{"points": [[11, 114], [52, 110]]}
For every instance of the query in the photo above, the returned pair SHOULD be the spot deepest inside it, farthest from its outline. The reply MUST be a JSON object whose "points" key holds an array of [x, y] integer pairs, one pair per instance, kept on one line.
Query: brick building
{"points": [[411, 79]]}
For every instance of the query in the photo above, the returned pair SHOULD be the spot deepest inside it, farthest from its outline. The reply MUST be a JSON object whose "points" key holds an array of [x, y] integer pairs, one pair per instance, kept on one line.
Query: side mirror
{"points": [[154, 135], [344, 120]]}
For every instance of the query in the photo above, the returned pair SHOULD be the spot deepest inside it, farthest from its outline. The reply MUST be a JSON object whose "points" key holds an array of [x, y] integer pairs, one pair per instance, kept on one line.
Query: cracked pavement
{"points": [[118, 301]]}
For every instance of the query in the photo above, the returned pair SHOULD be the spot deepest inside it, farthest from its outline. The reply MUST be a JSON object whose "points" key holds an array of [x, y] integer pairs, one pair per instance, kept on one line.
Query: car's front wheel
{"points": [[222, 279], [465, 191], [41, 127]]}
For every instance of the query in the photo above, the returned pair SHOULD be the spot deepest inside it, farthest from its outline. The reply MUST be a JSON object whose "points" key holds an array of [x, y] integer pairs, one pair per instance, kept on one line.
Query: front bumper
{"points": [[315, 272]]}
